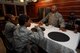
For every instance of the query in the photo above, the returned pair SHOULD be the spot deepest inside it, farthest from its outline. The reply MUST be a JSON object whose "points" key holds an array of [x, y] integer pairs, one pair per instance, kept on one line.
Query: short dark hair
{"points": [[22, 19]]}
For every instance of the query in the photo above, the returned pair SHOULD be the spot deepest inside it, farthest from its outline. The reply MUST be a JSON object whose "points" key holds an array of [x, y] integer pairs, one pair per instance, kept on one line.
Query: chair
{"points": [[7, 44]]}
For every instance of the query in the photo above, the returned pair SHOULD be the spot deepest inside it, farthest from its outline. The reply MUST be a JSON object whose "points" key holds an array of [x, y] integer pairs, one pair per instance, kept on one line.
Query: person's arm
{"points": [[13, 27], [40, 32], [61, 22], [37, 36], [44, 20]]}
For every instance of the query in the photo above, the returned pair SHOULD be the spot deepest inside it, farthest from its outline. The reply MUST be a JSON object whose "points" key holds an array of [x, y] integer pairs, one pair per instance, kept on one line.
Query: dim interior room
{"points": [[39, 9]]}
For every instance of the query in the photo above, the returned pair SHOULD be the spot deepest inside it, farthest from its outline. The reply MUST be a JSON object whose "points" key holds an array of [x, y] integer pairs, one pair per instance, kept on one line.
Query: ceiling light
{"points": [[21, 0], [34, 0]]}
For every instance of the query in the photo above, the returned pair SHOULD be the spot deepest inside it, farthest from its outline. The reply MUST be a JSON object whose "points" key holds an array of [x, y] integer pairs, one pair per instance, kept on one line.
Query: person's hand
{"points": [[63, 29], [40, 23]]}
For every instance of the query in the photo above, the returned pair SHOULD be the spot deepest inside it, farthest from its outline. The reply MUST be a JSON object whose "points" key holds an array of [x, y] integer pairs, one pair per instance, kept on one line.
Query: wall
{"points": [[64, 6]]}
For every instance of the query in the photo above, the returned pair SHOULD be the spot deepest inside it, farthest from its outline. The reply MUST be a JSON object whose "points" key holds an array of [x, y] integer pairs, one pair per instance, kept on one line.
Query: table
{"points": [[52, 46]]}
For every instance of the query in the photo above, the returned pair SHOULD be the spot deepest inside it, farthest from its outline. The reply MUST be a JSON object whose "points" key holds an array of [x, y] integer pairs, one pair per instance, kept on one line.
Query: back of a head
{"points": [[7, 17], [22, 19]]}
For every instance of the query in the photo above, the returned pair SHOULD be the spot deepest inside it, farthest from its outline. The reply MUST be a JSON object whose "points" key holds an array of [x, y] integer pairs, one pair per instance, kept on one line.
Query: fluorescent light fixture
{"points": [[21, 0], [46, 0], [34, 0]]}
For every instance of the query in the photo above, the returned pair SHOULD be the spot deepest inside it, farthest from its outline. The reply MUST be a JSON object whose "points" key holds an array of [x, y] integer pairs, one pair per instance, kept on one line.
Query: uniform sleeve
{"points": [[40, 32], [37, 36], [46, 18], [61, 21], [14, 27]]}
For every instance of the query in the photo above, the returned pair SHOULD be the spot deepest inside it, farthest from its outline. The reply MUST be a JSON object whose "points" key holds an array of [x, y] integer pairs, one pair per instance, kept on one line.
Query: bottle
{"points": [[76, 27]]}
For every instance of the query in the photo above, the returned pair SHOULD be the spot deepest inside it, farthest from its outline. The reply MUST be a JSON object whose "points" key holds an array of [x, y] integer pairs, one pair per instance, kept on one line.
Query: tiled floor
{"points": [[3, 50]]}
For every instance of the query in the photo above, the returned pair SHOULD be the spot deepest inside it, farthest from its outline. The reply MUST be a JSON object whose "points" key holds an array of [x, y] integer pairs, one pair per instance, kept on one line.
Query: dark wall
{"points": [[64, 6]]}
